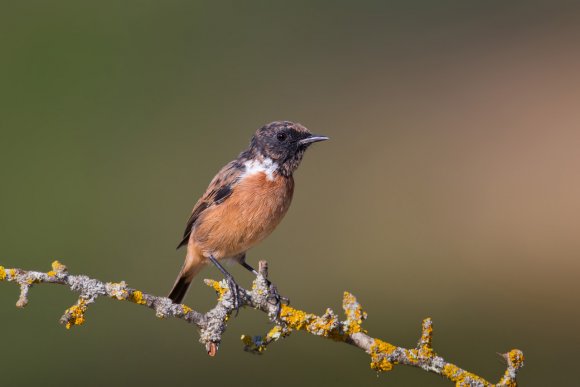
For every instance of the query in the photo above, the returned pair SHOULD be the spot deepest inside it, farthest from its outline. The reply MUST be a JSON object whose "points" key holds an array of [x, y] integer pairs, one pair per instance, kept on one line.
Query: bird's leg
{"points": [[234, 288], [274, 297], [249, 268]]}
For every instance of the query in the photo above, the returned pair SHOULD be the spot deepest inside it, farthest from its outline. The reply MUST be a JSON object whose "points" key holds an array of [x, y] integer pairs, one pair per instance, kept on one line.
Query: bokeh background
{"points": [[450, 188]]}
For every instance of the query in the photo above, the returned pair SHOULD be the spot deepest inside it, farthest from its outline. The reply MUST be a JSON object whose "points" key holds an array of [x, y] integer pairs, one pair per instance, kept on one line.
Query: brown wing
{"points": [[219, 189]]}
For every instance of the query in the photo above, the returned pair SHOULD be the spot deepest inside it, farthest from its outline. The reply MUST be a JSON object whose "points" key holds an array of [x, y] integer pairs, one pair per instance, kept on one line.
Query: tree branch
{"points": [[262, 297]]}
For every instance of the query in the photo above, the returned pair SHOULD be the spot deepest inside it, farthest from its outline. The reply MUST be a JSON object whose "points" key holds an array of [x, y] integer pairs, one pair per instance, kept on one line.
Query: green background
{"points": [[450, 187]]}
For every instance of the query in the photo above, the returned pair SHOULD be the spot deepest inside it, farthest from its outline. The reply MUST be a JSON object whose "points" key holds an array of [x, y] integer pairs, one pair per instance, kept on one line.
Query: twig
{"points": [[286, 319]]}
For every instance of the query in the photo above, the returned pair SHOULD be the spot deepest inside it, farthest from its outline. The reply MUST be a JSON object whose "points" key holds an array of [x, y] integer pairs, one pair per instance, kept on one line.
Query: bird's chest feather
{"points": [[257, 204]]}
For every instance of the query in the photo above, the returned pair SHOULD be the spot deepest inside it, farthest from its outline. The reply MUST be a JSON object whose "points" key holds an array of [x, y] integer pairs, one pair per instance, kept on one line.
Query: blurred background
{"points": [[450, 187]]}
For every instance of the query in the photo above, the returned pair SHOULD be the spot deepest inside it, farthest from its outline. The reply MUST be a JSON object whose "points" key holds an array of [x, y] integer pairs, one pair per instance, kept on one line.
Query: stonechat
{"points": [[244, 203]]}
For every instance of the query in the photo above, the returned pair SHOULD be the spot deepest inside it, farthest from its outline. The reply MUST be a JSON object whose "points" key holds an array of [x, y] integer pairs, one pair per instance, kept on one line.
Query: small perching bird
{"points": [[244, 203]]}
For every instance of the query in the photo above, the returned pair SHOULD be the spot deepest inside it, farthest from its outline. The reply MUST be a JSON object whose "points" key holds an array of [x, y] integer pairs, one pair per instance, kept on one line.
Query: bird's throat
{"points": [[260, 165]]}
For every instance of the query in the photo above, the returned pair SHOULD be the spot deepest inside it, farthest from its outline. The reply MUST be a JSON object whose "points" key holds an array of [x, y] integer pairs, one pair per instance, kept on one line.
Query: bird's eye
{"points": [[281, 137]]}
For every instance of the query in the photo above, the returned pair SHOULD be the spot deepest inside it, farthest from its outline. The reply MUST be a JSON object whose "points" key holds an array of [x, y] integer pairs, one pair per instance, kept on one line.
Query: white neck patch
{"points": [[266, 166]]}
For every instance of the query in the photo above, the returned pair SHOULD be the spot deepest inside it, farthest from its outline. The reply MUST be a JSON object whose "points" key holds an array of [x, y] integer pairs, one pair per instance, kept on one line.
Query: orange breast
{"points": [[255, 208]]}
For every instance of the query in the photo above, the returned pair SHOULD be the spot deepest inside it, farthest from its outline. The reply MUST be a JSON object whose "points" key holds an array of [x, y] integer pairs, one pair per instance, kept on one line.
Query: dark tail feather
{"points": [[180, 289], [191, 266]]}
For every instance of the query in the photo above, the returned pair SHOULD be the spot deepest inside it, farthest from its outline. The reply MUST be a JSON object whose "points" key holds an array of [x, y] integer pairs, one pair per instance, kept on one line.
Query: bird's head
{"points": [[284, 143]]}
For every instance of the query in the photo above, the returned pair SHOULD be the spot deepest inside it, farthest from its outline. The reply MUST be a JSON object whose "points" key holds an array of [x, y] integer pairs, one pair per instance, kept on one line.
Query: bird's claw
{"points": [[274, 298], [235, 292]]}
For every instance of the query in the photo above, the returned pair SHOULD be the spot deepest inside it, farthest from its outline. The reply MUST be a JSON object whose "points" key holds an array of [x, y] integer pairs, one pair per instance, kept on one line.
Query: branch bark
{"points": [[286, 319]]}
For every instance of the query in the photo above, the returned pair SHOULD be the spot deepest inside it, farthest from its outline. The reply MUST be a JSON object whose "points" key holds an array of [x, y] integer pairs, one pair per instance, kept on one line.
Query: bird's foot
{"points": [[235, 293], [274, 298]]}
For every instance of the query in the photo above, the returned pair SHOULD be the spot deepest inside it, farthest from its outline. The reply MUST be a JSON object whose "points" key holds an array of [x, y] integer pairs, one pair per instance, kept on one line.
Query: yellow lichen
{"points": [[412, 355], [516, 358], [325, 326], [256, 289], [218, 287], [275, 333], [12, 273], [354, 314], [425, 352], [294, 318], [257, 344], [379, 352], [462, 377], [427, 333], [57, 266], [452, 372], [381, 365], [354, 328], [382, 347], [76, 314], [507, 381], [51, 273], [2, 273], [118, 290], [253, 344], [186, 309], [137, 297]]}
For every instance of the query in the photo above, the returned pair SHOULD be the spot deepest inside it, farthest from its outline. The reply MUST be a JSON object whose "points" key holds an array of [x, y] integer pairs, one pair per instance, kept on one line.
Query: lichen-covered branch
{"points": [[285, 319]]}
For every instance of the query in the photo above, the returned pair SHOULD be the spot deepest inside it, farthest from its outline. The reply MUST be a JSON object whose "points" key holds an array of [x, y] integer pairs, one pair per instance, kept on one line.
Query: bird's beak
{"points": [[311, 139]]}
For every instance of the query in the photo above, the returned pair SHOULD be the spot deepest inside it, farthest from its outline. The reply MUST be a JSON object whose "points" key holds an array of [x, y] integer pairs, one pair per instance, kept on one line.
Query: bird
{"points": [[243, 203]]}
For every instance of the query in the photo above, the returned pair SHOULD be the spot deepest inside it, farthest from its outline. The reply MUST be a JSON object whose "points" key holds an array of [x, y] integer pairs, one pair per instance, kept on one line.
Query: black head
{"points": [[284, 143]]}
